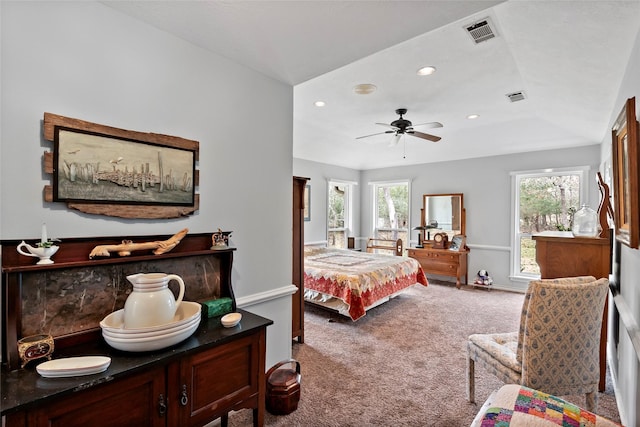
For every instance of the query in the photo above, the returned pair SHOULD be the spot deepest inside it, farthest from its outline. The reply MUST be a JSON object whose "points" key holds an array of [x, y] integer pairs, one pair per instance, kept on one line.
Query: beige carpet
{"points": [[403, 364]]}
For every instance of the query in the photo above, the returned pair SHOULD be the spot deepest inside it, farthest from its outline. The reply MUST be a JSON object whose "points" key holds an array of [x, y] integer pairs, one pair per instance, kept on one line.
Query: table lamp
{"points": [[420, 229]]}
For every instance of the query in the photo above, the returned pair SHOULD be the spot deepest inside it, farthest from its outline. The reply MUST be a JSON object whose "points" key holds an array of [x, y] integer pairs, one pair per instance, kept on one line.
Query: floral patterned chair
{"points": [[556, 349]]}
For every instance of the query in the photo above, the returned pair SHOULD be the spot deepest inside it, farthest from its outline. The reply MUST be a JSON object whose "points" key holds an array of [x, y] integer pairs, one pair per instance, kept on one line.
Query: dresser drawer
{"points": [[432, 256], [441, 262]]}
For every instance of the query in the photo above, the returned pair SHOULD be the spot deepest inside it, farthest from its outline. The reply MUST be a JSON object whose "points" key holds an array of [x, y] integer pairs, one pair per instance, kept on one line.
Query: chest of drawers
{"points": [[442, 262]]}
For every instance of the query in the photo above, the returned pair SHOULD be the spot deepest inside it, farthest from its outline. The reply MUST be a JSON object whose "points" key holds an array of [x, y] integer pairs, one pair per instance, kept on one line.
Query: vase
{"points": [[585, 222], [151, 303]]}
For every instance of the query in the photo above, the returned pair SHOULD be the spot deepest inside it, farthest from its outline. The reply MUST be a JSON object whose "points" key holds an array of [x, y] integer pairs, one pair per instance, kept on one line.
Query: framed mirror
{"points": [[442, 213]]}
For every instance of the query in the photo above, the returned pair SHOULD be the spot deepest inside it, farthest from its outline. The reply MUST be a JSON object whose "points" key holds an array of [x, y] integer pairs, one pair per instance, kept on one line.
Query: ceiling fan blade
{"points": [[430, 125], [374, 134], [426, 136], [388, 126]]}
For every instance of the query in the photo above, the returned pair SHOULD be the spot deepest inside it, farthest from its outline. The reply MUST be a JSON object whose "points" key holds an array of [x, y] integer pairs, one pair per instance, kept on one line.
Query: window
{"points": [[543, 201], [339, 214], [391, 211]]}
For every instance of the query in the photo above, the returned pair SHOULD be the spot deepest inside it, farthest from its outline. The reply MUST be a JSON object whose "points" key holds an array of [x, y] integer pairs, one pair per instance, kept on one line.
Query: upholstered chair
{"points": [[557, 347]]}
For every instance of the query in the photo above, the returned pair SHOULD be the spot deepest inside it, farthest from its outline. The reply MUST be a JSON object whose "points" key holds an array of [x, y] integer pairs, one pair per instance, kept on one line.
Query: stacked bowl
{"points": [[184, 324]]}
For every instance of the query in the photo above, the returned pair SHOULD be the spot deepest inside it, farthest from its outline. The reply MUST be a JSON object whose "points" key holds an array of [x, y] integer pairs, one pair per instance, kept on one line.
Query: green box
{"points": [[217, 307]]}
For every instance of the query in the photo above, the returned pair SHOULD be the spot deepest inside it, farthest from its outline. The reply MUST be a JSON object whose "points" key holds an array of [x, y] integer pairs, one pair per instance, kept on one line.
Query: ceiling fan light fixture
{"points": [[319, 103], [473, 116], [364, 88], [426, 71]]}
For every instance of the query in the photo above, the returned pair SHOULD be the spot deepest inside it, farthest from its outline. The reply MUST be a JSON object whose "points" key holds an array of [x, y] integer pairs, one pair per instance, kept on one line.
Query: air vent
{"points": [[481, 31], [516, 96]]}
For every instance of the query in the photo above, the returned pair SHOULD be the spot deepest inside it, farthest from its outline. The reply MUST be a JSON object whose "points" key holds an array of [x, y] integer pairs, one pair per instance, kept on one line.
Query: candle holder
{"points": [[44, 253]]}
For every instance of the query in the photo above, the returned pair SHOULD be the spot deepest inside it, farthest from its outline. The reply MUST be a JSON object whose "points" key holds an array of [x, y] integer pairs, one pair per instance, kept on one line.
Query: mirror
{"points": [[442, 213]]}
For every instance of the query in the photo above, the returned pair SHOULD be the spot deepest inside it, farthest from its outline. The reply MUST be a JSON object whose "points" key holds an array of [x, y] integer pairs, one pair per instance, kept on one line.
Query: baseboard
{"points": [[616, 391]]}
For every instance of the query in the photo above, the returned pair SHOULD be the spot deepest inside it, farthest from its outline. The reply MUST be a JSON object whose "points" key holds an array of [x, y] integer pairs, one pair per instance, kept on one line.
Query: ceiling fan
{"points": [[403, 126]]}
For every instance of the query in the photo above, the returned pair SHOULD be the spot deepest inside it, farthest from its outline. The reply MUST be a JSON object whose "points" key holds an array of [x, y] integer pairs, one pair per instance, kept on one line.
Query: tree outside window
{"points": [[545, 202], [391, 209], [338, 221]]}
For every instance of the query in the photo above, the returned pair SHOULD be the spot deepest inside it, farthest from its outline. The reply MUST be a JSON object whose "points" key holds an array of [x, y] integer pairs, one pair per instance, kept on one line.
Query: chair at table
{"points": [[556, 349]]}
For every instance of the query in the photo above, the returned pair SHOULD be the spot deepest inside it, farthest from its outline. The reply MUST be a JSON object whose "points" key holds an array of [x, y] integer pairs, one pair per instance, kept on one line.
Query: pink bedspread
{"points": [[359, 279]]}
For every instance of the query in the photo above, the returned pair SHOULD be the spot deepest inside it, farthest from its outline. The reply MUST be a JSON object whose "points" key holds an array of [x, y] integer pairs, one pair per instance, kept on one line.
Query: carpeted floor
{"points": [[404, 363]]}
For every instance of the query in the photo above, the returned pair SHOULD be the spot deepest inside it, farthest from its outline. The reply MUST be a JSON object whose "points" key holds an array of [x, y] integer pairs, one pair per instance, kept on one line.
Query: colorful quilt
{"points": [[515, 405], [359, 279]]}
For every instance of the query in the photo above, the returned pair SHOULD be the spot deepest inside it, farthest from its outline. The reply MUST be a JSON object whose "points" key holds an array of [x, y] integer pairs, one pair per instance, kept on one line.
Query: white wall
{"points": [[628, 377], [88, 61]]}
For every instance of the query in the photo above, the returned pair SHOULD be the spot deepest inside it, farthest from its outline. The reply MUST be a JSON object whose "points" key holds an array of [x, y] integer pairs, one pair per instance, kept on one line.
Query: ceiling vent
{"points": [[481, 31], [516, 96]]}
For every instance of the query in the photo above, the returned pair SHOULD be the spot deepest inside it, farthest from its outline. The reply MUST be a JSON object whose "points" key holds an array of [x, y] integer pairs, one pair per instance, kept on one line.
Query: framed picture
{"points": [[307, 203], [625, 153], [458, 242], [93, 167]]}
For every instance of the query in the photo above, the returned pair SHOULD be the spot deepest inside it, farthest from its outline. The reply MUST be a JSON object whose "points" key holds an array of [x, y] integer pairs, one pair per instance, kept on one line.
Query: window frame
{"points": [[374, 205], [348, 209], [516, 236]]}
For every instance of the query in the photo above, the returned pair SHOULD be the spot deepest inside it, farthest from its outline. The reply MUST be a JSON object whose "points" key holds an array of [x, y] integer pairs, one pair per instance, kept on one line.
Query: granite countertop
{"points": [[24, 388]]}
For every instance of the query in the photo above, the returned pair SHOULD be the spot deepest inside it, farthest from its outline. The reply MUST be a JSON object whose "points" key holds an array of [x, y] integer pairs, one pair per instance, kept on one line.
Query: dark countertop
{"points": [[24, 388]]}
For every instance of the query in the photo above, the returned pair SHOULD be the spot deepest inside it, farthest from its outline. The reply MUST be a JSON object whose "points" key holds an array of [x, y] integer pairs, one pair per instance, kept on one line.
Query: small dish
{"points": [[73, 366], [230, 320]]}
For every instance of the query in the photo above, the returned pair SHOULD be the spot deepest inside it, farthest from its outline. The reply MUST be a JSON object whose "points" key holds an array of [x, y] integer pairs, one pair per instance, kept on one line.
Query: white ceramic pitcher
{"points": [[151, 303]]}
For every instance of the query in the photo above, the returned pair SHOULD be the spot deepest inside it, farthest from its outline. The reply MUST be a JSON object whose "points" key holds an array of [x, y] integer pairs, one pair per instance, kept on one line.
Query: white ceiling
{"points": [[568, 57]]}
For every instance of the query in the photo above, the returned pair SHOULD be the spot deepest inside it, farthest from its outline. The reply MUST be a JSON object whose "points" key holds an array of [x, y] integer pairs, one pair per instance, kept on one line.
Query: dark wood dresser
{"points": [[214, 371]]}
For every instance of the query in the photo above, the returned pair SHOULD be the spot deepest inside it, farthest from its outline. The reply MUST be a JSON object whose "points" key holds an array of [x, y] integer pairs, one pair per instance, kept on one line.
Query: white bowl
{"points": [[230, 320], [187, 311], [116, 333], [151, 343]]}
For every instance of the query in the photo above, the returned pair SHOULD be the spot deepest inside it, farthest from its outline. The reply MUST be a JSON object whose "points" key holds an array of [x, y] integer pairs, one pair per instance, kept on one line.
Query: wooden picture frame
{"points": [[307, 202], [458, 243], [625, 152], [122, 208], [93, 167]]}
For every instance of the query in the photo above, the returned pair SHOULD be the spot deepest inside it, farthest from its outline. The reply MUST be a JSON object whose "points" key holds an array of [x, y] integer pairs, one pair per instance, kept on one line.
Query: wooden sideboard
{"points": [[214, 371], [442, 262], [560, 254]]}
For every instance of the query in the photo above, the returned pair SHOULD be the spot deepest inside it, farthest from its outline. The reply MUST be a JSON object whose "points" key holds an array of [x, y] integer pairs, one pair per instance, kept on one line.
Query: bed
{"points": [[352, 282]]}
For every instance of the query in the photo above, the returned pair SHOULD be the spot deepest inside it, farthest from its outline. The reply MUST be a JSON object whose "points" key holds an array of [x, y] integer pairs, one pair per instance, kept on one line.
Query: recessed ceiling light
{"points": [[426, 71], [364, 88], [473, 116], [319, 103]]}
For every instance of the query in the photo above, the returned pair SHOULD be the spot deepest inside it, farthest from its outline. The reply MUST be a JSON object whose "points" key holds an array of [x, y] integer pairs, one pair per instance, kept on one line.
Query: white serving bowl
{"points": [[186, 312], [151, 343], [230, 320], [116, 333]]}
